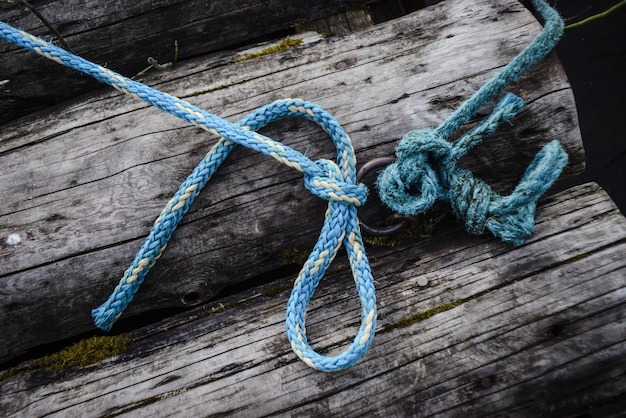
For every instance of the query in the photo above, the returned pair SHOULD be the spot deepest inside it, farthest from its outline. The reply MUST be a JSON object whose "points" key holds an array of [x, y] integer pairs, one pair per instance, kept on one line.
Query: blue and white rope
{"points": [[335, 182], [332, 181]]}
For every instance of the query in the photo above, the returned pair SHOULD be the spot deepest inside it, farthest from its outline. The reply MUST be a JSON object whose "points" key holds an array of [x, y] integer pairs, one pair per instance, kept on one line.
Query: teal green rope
{"points": [[412, 185], [336, 182]]}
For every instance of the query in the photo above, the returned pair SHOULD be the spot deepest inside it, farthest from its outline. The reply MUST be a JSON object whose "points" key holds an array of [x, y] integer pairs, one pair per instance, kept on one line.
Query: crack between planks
{"points": [[69, 257], [79, 126], [96, 180], [140, 237]]}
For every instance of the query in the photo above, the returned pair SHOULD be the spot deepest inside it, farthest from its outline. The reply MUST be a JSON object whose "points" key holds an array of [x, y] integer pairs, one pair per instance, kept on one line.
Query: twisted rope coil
{"points": [[336, 182], [411, 185]]}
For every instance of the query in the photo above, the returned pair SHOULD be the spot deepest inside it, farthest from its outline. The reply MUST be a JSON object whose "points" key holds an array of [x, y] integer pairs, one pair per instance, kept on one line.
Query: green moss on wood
{"points": [[567, 171], [220, 308], [286, 44], [295, 256], [93, 350], [363, 7], [208, 311], [304, 26], [85, 352], [211, 90], [405, 322], [7, 374], [578, 257], [276, 290]]}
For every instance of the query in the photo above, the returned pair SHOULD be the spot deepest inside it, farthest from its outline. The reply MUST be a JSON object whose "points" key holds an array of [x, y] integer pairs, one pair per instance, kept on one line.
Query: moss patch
{"points": [[276, 290], [405, 322], [93, 350], [295, 256], [567, 171], [286, 44], [304, 26], [85, 352], [7, 374], [219, 308]]}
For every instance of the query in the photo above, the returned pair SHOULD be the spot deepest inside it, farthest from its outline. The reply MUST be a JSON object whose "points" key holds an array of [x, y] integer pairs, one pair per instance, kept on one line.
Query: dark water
{"points": [[594, 58]]}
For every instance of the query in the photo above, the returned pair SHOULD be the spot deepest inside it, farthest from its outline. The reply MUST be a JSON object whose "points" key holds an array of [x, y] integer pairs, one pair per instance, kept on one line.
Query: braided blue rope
{"points": [[336, 182], [332, 181], [411, 185]]}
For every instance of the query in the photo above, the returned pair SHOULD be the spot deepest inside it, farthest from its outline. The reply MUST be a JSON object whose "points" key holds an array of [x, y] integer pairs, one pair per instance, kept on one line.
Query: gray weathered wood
{"points": [[82, 187], [536, 330], [125, 34]]}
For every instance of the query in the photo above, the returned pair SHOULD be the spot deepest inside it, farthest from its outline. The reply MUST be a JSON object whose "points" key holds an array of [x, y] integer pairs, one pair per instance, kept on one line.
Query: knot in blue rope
{"points": [[411, 185], [333, 187], [334, 181], [427, 170]]}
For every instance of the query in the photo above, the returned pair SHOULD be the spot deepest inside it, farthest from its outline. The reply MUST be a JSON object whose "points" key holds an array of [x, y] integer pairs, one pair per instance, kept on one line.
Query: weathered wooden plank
{"points": [[124, 35], [83, 186], [531, 331]]}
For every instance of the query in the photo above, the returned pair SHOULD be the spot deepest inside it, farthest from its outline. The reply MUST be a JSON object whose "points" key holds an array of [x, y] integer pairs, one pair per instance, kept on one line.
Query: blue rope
{"points": [[332, 181], [411, 185], [335, 181]]}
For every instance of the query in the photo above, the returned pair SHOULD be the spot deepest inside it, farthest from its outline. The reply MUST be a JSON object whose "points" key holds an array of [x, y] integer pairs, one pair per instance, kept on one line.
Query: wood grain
{"points": [[82, 187], [532, 330], [124, 34]]}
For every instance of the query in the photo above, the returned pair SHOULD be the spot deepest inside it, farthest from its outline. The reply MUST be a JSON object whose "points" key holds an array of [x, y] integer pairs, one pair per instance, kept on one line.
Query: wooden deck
{"points": [[123, 35], [496, 330], [85, 183], [536, 330]]}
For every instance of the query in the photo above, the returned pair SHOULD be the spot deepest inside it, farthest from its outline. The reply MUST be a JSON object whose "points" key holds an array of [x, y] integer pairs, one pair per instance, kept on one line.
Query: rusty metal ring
{"points": [[396, 222]]}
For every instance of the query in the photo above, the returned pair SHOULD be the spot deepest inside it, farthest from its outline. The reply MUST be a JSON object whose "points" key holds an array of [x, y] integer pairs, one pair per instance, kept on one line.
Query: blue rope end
{"points": [[103, 318]]}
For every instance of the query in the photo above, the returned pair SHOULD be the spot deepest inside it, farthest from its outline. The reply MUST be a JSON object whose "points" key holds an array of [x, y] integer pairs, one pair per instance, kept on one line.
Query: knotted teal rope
{"points": [[411, 185], [332, 181]]}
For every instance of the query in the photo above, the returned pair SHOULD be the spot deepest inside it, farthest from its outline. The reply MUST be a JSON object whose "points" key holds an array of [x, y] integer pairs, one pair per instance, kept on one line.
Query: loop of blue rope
{"points": [[332, 181], [510, 217], [426, 169]]}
